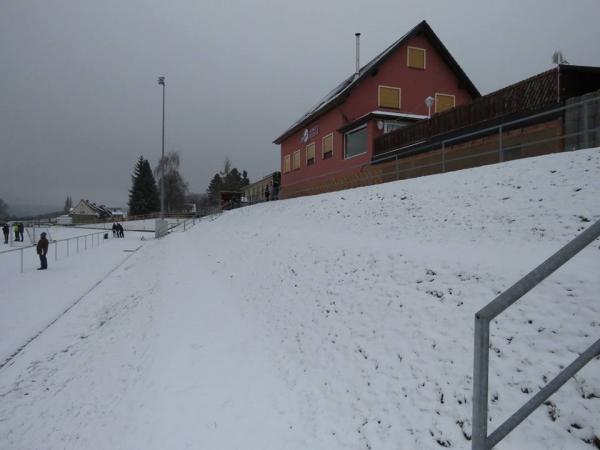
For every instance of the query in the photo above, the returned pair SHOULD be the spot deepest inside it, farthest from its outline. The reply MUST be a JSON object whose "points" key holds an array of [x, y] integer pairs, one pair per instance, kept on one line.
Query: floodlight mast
{"points": [[161, 82]]}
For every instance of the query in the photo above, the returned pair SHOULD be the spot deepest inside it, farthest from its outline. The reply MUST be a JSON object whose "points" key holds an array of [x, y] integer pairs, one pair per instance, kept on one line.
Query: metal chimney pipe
{"points": [[357, 53]]}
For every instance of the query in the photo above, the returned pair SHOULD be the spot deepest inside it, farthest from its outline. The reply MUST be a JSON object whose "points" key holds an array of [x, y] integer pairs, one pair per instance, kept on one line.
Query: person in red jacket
{"points": [[42, 250]]}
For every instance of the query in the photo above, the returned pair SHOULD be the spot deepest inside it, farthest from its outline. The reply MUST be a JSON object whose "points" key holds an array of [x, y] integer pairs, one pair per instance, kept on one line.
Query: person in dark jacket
{"points": [[5, 231], [120, 231], [21, 231], [114, 230], [42, 250]]}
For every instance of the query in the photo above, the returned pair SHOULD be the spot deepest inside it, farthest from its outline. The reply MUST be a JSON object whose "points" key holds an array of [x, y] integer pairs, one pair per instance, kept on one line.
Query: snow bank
{"points": [[338, 321]]}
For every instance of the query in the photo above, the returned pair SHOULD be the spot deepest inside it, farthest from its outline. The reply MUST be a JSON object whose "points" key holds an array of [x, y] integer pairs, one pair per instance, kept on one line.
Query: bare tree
{"points": [[175, 185]]}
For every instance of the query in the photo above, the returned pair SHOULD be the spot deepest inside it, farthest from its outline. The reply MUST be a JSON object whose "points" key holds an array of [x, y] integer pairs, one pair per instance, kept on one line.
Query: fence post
{"points": [[480, 383], [55, 250], [68, 246], [77, 244], [501, 153], [85, 246], [21, 259]]}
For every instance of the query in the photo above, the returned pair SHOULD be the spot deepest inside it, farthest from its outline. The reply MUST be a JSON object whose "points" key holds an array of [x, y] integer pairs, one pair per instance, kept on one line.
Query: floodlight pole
{"points": [[161, 81]]}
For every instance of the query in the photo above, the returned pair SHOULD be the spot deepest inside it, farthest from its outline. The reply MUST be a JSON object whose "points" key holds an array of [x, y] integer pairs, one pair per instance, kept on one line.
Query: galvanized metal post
{"points": [[85, 246], [55, 250], [480, 383], [501, 153], [21, 259], [68, 246], [77, 244]]}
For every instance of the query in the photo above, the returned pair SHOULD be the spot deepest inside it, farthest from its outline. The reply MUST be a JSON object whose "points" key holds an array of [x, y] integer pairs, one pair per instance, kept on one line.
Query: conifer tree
{"points": [[143, 195], [214, 189]]}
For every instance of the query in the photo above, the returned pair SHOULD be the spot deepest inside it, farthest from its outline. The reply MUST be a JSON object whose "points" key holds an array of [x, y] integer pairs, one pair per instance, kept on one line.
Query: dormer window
{"points": [[416, 57]]}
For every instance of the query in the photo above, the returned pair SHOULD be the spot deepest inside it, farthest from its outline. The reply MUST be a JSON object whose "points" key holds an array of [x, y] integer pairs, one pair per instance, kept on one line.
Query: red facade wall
{"points": [[415, 84]]}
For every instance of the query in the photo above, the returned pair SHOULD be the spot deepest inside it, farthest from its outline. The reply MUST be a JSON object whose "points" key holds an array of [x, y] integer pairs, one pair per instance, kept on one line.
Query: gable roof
{"points": [[339, 94]]}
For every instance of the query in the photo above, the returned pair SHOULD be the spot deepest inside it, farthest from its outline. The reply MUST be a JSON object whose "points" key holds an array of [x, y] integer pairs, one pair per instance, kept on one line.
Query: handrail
{"points": [[56, 242], [481, 440]]}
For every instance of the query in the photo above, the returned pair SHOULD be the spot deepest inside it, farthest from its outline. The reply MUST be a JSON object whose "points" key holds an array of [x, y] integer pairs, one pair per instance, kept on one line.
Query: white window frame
{"points": [[354, 130], [323, 147]]}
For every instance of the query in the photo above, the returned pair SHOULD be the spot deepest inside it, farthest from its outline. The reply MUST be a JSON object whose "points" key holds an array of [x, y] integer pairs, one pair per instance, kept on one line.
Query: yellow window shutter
{"points": [[327, 144], [389, 97], [296, 163], [443, 102], [286, 163], [310, 151], [416, 58]]}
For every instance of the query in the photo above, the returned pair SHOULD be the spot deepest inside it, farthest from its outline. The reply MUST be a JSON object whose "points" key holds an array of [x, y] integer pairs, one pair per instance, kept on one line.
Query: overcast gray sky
{"points": [[79, 100]]}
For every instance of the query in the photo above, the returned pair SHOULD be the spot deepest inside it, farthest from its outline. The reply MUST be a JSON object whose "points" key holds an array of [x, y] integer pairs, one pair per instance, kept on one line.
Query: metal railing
{"points": [[443, 156], [98, 237], [481, 440]]}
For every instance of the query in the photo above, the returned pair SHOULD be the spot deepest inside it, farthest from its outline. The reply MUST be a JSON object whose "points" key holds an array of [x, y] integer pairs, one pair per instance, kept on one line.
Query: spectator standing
{"points": [[114, 229], [16, 231], [120, 231], [267, 192], [5, 231], [275, 190], [21, 231], [42, 250]]}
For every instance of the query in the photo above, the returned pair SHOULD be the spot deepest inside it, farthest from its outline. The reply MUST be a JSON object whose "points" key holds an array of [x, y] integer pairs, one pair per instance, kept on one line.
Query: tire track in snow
{"points": [[16, 353]]}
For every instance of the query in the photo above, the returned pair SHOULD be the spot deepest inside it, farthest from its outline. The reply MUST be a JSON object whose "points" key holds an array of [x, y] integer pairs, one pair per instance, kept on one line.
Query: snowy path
{"points": [[184, 365], [29, 301]]}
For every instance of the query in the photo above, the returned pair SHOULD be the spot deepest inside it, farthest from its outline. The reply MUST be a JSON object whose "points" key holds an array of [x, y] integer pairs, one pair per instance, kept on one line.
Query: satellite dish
{"points": [[380, 125]]}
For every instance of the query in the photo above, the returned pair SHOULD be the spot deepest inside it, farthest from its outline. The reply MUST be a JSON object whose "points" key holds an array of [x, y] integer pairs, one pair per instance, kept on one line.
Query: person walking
{"points": [[16, 231], [21, 231], [42, 250], [5, 231]]}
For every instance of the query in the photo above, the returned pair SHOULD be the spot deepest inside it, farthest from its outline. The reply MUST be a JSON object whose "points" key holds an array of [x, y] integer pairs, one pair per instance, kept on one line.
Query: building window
{"points": [[286, 164], [389, 97], [296, 160], [388, 127], [328, 146], [416, 58], [310, 154], [443, 102], [355, 142]]}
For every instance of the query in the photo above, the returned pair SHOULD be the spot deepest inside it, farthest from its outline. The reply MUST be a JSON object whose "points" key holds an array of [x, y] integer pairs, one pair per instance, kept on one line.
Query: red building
{"points": [[335, 138]]}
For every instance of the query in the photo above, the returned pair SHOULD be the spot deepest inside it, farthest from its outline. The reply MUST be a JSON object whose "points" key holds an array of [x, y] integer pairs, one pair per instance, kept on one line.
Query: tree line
{"points": [[145, 190]]}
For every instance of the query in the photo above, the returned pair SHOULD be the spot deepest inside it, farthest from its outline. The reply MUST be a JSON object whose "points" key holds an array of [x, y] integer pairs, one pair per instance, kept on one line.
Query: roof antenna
{"points": [[357, 55]]}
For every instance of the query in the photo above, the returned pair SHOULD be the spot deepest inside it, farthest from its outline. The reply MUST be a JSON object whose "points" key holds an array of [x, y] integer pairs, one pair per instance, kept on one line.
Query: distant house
{"points": [[86, 212]]}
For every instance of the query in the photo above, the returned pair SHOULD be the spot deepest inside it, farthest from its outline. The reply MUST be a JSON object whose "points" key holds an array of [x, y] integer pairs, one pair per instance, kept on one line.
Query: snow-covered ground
{"points": [[338, 321]]}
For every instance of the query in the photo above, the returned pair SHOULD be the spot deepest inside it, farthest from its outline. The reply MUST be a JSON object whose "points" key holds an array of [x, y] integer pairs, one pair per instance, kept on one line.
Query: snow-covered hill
{"points": [[338, 321]]}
